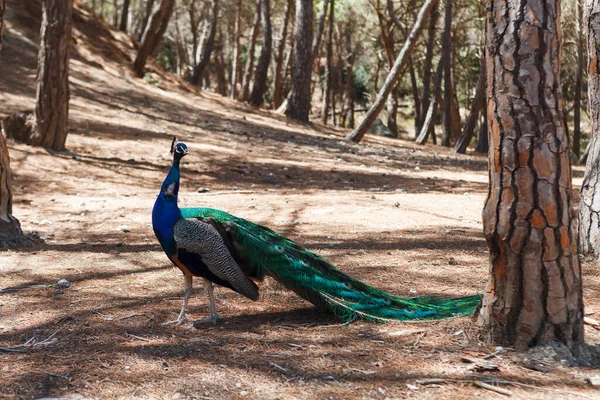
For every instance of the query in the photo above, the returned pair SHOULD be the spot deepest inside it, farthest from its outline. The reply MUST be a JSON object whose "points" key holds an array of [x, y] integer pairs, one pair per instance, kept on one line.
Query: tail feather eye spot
{"points": [[278, 248]]}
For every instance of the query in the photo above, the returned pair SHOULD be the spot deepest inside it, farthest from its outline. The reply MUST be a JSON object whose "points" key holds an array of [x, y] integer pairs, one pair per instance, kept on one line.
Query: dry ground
{"points": [[400, 217]]}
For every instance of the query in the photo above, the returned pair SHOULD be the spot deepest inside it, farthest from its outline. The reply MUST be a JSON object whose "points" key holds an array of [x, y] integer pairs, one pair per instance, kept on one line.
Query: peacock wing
{"points": [[200, 240]]}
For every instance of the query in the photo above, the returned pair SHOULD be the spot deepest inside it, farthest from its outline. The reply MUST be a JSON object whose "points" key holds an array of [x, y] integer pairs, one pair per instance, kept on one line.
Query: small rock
{"points": [[244, 393], [329, 378], [59, 291], [381, 390], [252, 206], [459, 332], [412, 387], [413, 291], [76, 158], [401, 190], [452, 261], [123, 228], [593, 380], [203, 190], [63, 283]]}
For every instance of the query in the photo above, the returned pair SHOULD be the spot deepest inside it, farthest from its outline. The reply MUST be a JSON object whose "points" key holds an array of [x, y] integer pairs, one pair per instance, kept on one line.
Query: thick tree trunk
{"points": [[298, 107], [262, 67], [446, 54], [251, 50], [427, 125], [52, 94], [357, 134], [467, 134], [328, 67], [155, 28], [124, 16], [278, 79], [578, 81], [208, 47], [534, 293], [237, 52], [428, 65]]}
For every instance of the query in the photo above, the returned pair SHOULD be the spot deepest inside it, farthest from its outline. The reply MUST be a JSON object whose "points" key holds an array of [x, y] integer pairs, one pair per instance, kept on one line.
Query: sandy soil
{"points": [[401, 217]]}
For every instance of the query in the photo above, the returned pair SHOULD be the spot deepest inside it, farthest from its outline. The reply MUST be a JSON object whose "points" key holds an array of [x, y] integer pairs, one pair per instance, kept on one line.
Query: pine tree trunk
{"points": [[115, 21], [427, 125], [446, 54], [208, 47], [52, 94], [534, 293], [428, 65], [237, 52], [589, 210], [251, 50], [155, 28], [262, 67], [220, 65], [348, 112], [298, 107], [467, 134], [278, 79], [415, 93], [357, 134], [124, 16], [144, 21], [482, 136], [328, 67], [578, 81]]}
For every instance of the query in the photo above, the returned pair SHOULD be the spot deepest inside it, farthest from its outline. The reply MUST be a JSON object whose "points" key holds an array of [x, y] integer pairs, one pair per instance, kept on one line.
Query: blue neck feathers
{"points": [[166, 213]]}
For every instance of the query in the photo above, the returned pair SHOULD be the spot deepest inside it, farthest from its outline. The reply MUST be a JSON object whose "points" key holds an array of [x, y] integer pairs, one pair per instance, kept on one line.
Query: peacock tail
{"points": [[317, 281]]}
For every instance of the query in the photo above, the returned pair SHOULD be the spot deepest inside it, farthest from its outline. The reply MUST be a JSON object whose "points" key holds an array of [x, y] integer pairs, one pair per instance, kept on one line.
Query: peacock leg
{"points": [[214, 317], [187, 293]]}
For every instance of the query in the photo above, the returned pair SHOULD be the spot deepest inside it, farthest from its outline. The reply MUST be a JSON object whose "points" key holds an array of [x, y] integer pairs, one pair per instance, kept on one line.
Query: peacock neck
{"points": [[166, 213]]}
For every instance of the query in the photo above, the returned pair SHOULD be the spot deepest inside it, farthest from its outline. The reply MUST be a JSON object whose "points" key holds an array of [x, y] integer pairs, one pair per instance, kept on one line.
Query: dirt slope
{"points": [[401, 217]]}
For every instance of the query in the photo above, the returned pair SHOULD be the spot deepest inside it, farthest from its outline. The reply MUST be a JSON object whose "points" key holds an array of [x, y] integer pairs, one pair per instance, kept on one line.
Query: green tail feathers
{"points": [[317, 281]]}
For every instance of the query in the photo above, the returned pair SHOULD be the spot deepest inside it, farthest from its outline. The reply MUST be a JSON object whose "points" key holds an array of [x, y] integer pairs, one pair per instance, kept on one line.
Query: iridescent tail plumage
{"points": [[317, 281]]}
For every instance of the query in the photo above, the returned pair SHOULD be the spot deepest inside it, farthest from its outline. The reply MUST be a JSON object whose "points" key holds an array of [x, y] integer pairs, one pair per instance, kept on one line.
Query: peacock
{"points": [[232, 252]]}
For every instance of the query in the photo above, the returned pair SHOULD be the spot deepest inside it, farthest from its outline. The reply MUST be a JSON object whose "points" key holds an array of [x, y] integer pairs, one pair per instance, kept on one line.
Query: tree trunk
{"points": [[298, 107], [357, 134], [427, 125], [124, 16], [482, 136], [328, 67], [208, 47], [415, 93], [446, 55], [348, 111], [220, 65], [278, 84], [428, 65], [152, 35], [52, 94], [145, 19], [251, 50], [467, 134], [262, 67], [115, 16], [237, 52], [534, 293], [578, 80]]}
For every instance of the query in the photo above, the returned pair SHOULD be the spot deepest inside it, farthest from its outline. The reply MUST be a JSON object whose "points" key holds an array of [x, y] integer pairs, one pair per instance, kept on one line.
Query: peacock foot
{"points": [[213, 319], [178, 321]]}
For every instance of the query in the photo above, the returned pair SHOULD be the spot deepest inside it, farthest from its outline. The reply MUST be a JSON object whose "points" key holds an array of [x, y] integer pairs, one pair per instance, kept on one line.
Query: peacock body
{"points": [[232, 252]]}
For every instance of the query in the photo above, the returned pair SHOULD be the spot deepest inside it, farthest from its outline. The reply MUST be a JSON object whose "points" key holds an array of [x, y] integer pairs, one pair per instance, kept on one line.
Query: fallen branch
{"points": [[496, 389], [32, 343]]}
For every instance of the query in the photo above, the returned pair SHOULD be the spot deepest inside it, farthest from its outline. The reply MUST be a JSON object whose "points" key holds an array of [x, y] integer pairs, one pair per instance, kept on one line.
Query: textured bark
{"points": [[251, 50], [534, 293], [208, 47], [446, 54], [578, 81], [237, 56], [262, 67], [278, 76], [124, 16], [153, 33], [357, 134], [327, 87], [427, 125], [52, 93], [467, 134], [298, 106], [589, 206], [428, 65]]}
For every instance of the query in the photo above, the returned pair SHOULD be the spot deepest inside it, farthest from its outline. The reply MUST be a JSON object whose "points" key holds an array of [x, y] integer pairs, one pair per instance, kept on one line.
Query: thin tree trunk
{"points": [[145, 20], [415, 92], [298, 106], [115, 21], [428, 64], [124, 16], [357, 134], [427, 125], [327, 95], [278, 85], [52, 94], [467, 134], [578, 81], [237, 52], [348, 112], [153, 34], [251, 50], [208, 47], [316, 45], [220, 65], [482, 135], [534, 292], [446, 54], [262, 67]]}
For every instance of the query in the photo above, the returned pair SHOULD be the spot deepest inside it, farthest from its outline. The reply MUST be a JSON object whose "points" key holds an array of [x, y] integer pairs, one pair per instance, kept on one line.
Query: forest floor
{"points": [[401, 217]]}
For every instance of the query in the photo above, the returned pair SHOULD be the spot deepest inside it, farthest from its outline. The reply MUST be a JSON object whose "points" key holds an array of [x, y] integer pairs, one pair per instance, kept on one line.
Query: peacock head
{"points": [[178, 149]]}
